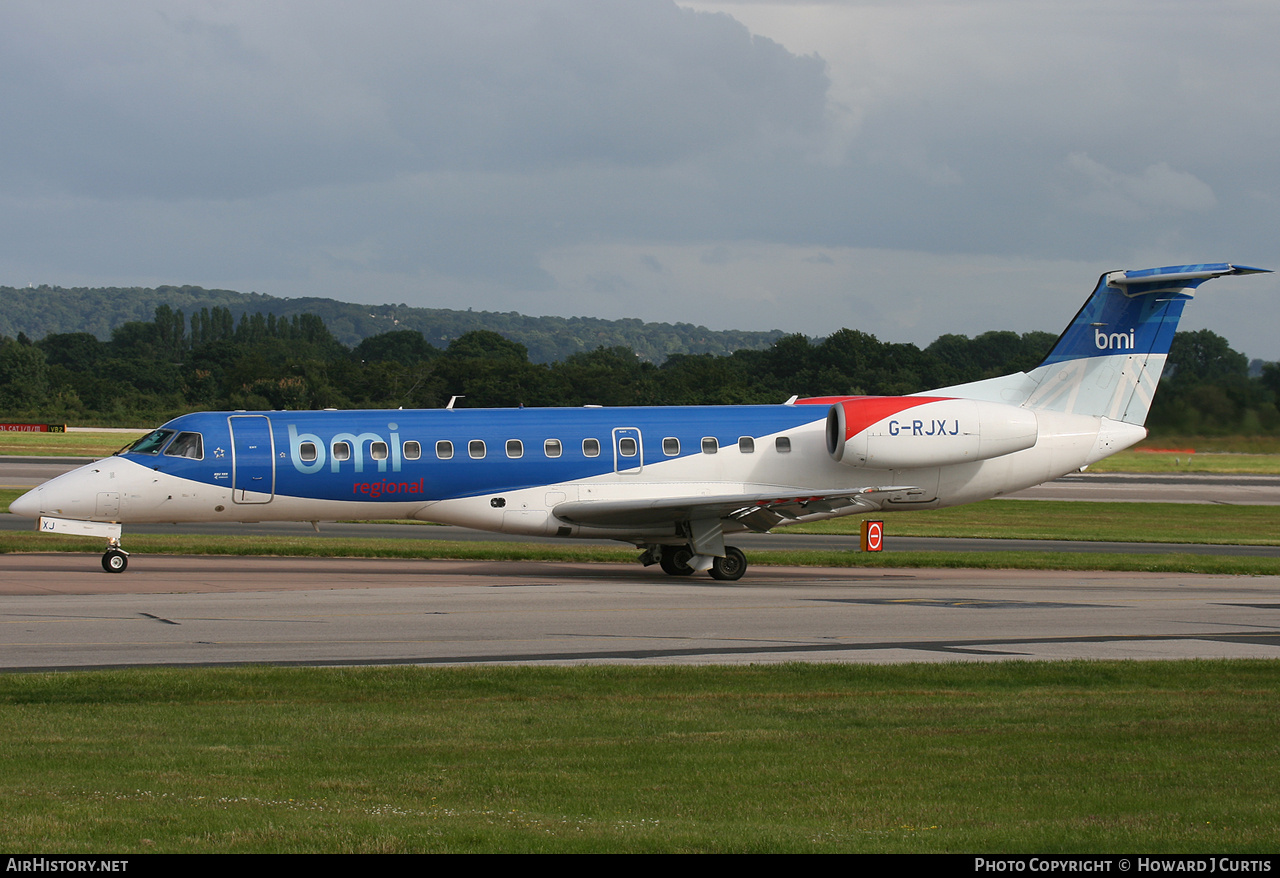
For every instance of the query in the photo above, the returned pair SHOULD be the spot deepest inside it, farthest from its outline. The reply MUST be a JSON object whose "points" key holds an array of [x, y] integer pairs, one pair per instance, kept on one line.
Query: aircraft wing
{"points": [[759, 512]]}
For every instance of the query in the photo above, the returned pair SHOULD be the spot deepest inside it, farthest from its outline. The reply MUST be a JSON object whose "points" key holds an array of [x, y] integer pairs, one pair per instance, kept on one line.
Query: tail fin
{"points": [[1108, 361]]}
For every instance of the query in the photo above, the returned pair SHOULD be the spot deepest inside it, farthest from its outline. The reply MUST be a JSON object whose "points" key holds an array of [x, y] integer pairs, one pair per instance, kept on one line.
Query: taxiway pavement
{"points": [[62, 611]]}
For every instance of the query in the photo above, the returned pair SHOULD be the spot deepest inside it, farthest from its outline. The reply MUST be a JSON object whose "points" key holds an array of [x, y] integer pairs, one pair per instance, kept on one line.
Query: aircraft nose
{"points": [[70, 495], [28, 505]]}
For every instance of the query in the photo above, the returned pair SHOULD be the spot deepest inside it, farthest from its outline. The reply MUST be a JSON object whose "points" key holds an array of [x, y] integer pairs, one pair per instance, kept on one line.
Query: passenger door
{"points": [[253, 464]]}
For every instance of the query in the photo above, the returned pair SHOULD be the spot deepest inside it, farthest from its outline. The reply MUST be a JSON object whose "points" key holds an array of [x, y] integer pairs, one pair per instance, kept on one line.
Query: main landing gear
{"points": [[115, 559], [731, 567], [680, 560]]}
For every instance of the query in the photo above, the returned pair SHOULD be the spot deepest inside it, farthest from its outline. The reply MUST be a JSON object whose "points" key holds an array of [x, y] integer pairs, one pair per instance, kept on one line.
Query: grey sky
{"points": [[905, 168]]}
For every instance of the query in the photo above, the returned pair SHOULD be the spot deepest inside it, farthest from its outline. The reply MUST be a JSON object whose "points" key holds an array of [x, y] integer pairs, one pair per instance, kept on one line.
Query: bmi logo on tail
{"points": [[1116, 341]]}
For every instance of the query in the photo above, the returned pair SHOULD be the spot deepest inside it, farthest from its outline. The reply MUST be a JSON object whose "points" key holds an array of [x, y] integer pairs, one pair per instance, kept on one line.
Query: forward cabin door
{"points": [[253, 463]]}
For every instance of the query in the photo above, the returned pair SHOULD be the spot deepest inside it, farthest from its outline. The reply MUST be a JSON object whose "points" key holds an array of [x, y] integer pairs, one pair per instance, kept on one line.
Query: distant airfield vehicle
{"points": [[674, 481]]}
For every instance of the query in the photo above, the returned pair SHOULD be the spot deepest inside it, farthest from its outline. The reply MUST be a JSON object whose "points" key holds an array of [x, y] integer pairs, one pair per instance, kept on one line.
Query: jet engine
{"points": [[905, 432]]}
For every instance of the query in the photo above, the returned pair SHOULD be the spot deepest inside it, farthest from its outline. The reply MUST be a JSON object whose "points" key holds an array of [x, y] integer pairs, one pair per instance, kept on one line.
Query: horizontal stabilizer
{"points": [[1175, 276]]}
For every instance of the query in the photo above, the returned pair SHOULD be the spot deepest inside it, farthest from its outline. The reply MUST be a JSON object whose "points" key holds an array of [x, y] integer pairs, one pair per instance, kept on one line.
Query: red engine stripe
{"points": [[860, 413]]}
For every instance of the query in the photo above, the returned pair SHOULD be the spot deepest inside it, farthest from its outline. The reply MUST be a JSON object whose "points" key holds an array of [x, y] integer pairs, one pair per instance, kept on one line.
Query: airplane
{"points": [[674, 481]]}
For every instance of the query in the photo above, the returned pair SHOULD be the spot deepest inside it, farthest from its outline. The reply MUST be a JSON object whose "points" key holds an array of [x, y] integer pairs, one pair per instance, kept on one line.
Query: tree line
{"points": [[46, 310], [152, 370]]}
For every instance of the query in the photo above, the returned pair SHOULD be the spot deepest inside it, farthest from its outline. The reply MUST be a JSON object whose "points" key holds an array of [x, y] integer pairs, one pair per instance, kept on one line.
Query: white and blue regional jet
{"points": [[674, 481]]}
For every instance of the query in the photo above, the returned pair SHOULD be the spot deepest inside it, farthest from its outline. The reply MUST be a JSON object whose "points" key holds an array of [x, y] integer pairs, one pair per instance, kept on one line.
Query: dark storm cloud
{"points": [[180, 100], [891, 168]]}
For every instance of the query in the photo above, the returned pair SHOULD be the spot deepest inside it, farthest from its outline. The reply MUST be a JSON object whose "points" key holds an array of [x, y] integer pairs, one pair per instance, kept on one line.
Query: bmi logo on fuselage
{"points": [[307, 450]]}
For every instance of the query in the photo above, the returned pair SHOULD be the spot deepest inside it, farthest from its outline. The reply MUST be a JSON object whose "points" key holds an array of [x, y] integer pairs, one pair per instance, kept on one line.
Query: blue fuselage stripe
{"points": [[301, 471]]}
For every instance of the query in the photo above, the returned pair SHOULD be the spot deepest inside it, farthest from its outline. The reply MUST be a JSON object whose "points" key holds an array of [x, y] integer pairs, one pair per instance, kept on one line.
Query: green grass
{"points": [[1071, 520], [1006, 757], [1213, 454], [1221, 463], [77, 444], [1257, 444]]}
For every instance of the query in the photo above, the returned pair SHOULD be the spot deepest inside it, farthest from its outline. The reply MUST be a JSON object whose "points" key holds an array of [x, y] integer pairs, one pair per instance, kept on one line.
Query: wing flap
{"points": [[757, 511]]}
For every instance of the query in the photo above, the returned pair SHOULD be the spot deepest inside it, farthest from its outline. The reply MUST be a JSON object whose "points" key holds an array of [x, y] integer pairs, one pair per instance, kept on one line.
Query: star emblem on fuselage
{"points": [[218, 452]]}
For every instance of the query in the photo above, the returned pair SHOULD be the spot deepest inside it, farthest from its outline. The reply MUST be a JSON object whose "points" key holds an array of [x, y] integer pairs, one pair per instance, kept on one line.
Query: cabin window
{"points": [[151, 443], [378, 450], [515, 448], [591, 447], [191, 446], [627, 446], [710, 445], [476, 448], [444, 449], [746, 445], [342, 451], [411, 450], [307, 451], [782, 444], [551, 448], [671, 446]]}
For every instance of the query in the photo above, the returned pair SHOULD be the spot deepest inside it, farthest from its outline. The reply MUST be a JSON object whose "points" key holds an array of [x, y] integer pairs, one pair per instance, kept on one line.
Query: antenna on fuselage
{"points": [[454, 399]]}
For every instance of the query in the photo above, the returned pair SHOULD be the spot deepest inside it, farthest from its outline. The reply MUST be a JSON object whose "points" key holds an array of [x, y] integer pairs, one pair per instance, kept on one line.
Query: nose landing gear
{"points": [[115, 559]]}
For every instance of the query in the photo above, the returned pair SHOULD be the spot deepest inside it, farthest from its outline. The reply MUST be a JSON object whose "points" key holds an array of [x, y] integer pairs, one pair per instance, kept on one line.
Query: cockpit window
{"points": [[189, 445], [150, 443]]}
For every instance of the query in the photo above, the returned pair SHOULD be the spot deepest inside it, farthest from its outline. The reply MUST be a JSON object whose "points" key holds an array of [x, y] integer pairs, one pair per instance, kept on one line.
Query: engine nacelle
{"points": [[905, 432]]}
